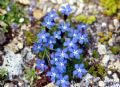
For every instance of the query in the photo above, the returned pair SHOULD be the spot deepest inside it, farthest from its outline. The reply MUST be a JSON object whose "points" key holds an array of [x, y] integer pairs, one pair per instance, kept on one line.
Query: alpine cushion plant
{"points": [[62, 44]]}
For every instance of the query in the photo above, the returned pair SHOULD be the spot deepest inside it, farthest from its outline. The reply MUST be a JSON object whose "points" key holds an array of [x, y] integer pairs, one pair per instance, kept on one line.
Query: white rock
{"points": [[88, 77], [74, 8], [13, 63], [105, 59], [101, 49], [51, 85], [54, 1], [111, 27], [101, 83], [117, 65], [71, 2], [109, 72], [116, 79], [104, 24], [80, 9], [60, 1], [116, 23], [110, 42]]}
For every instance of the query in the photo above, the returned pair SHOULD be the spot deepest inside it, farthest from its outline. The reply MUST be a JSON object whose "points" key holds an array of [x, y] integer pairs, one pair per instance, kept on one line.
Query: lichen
{"points": [[104, 37]]}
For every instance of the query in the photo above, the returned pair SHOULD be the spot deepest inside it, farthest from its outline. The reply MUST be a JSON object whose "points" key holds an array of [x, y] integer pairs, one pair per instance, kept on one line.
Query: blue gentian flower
{"points": [[82, 26], [64, 26], [52, 14], [57, 34], [75, 52], [70, 43], [83, 38], [53, 73], [40, 64], [66, 9], [37, 47], [54, 59], [61, 65], [48, 22], [79, 70], [62, 53], [51, 42], [42, 36], [63, 81], [73, 33]]}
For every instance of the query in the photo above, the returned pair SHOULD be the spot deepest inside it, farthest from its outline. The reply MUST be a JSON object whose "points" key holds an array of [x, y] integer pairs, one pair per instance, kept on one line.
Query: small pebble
{"points": [[101, 83]]}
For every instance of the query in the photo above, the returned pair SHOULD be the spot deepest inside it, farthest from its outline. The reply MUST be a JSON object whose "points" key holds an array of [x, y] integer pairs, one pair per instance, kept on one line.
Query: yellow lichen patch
{"points": [[100, 34]]}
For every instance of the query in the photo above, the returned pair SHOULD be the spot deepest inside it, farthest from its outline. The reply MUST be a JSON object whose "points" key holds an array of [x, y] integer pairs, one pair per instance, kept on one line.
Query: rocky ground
{"points": [[16, 54]]}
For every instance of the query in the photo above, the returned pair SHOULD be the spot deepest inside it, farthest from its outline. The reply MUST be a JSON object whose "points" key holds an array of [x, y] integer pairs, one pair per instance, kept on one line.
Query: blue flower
{"points": [[40, 64], [79, 70], [51, 42], [54, 59], [53, 73], [64, 26], [70, 43], [66, 9], [48, 22], [52, 14], [73, 33], [75, 52], [62, 53], [63, 81], [57, 34], [37, 47], [61, 65], [82, 26], [83, 38], [42, 36]]}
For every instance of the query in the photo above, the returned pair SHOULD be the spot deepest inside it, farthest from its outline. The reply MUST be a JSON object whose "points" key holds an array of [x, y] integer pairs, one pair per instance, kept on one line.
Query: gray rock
{"points": [[116, 23], [111, 27], [13, 63], [9, 85], [27, 54], [118, 39], [105, 59]]}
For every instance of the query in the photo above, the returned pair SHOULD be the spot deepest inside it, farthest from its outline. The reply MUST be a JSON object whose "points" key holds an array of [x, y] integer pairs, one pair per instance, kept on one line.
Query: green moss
{"points": [[97, 70], [115, 49], [85, 19], [3, 74], [110, 6], [30, 38], [95, 54]]}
